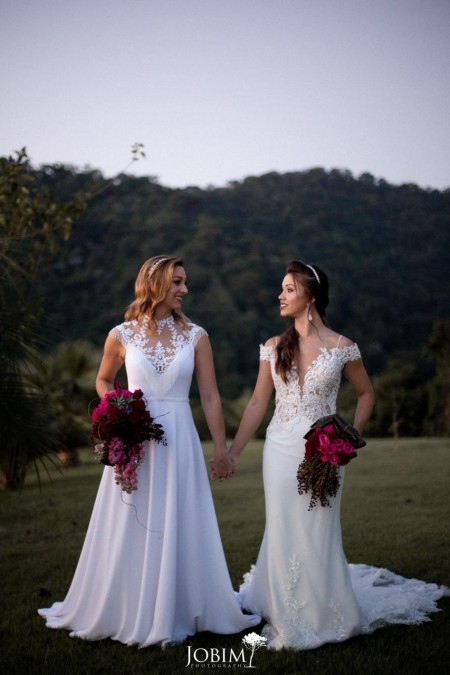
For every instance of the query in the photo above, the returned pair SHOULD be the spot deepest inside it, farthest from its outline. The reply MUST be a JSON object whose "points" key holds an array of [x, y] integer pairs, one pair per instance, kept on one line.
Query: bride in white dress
{"points": [[152, 569], [301, 583]]}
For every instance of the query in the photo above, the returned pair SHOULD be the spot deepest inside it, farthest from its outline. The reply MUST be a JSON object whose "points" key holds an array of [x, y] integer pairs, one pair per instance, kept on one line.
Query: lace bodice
{"points": [[161, 362], [317, 397]]}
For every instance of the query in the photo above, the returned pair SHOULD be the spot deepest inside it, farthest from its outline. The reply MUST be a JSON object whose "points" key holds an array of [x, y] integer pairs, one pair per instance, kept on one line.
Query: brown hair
{"points": [[316, 287], [151, 287]]}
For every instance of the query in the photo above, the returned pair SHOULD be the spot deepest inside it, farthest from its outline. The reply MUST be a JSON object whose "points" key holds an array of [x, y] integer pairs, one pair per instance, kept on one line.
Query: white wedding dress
{"points": [[301, 583], [152, 569]]}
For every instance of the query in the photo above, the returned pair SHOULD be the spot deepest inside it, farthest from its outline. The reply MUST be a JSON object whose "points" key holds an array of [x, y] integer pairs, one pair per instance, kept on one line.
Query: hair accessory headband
{"points": [[155, 265], [314, 272]]}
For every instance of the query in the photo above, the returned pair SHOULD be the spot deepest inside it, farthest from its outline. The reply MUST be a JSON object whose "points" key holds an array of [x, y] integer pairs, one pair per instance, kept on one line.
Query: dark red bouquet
{"points": [[121, 423], [330, 443]]}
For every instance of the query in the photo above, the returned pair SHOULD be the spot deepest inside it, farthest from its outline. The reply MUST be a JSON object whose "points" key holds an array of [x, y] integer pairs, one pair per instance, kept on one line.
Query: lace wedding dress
{"points": [[152, 569], [301, 583]]}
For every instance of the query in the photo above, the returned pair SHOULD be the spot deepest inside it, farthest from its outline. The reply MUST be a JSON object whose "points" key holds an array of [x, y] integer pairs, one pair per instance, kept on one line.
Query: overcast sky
{"points": [[218, 90]]}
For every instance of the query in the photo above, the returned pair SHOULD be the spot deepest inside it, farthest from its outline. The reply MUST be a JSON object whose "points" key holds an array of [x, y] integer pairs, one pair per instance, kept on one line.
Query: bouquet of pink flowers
{"points": [[122, 423], [327, 447]]}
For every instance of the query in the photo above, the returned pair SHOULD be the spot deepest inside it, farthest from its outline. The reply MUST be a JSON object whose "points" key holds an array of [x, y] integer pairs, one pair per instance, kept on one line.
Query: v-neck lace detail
{"points": [[316, 395], [311, 366]]}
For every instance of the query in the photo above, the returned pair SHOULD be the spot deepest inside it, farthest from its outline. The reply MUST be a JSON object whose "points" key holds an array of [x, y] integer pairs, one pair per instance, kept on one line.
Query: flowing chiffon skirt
{"points": [[152, 569]]}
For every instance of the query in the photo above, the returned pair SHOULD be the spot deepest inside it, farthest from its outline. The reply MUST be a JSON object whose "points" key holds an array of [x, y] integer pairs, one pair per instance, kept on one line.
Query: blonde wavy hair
{"points": [[151, 287]]}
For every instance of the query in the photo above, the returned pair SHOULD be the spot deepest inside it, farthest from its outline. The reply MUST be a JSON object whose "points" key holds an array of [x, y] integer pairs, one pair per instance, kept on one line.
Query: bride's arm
{"points": [[254, 412], [212, 405], [112, 361], [357, 375]]}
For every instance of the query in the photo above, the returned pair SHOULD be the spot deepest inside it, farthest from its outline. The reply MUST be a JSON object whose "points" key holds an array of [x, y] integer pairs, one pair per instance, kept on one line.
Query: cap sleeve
{"points": [[197, 333], [120, 333], [265, 352], [350, 353]]}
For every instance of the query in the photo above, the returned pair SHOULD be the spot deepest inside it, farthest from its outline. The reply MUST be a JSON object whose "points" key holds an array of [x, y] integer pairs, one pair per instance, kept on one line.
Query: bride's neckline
{"points": [[168, 321]]}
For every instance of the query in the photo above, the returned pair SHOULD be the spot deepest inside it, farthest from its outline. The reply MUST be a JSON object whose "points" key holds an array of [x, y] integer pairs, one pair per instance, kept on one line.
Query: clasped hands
{"points": [[223, 466]]}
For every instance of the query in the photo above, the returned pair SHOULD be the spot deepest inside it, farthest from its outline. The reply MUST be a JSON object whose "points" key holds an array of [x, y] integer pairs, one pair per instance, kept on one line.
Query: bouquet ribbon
{"points": [[342, 428]]}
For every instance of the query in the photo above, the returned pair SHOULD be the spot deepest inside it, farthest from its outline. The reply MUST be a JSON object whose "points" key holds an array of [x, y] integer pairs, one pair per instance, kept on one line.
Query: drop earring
{"points": [[309, 313]]}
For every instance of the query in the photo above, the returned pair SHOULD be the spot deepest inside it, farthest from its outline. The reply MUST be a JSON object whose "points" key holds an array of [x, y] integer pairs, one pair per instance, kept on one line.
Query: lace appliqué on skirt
{"points": [[294, 630]]}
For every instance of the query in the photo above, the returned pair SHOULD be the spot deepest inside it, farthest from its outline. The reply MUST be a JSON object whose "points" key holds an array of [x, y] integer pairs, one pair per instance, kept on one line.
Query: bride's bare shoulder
{"points": [[337, 340]]}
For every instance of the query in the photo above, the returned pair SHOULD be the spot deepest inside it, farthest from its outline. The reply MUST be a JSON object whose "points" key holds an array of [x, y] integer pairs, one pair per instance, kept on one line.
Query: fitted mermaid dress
{"points": [[302, 583], [152, 569]]}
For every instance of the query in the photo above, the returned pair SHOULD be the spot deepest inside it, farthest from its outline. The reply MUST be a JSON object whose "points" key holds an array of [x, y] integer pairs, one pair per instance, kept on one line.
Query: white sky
{"points": [[218, 90]]}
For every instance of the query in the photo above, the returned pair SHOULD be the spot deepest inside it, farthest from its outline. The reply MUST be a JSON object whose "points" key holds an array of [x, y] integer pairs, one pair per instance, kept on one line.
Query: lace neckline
{"points": [[161, 347], [322, 351], [169, 321], [314, 396]]}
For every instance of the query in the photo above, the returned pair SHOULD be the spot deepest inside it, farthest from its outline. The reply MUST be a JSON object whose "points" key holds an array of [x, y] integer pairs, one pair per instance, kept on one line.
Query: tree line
{"points": [[385, 248]]}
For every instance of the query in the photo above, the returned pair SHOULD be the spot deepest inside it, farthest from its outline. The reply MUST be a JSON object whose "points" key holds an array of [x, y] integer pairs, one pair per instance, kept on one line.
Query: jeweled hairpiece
{"points": [[314, 272], [155, 265]]}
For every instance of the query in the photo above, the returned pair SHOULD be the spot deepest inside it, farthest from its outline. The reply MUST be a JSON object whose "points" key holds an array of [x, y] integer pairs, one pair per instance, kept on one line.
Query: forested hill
{"points": [[385, 248]]}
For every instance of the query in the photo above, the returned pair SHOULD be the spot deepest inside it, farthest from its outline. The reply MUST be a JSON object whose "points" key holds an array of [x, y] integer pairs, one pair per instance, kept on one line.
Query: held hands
{"points": [[223, 466]]}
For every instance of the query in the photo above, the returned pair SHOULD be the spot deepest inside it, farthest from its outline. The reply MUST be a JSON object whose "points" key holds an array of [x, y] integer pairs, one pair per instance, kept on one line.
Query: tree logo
{"points": [[253, 641]]}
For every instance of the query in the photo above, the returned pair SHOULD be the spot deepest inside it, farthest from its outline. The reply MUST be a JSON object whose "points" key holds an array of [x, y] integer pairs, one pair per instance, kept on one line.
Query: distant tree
{"points": [[401, 400], [438, 347], [32, 226]]}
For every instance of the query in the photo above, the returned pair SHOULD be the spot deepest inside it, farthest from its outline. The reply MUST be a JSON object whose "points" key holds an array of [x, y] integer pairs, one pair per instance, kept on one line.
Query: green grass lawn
{"points": [[395, 513]]}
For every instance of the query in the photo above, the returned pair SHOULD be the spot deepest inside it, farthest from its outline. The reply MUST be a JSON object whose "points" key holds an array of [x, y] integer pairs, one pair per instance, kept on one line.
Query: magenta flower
{"points": [[120, 425], [317, 474]]}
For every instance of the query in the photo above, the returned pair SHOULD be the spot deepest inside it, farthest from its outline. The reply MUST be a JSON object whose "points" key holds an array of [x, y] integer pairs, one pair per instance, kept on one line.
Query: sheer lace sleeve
{"points": [[119, 333], [197, 333], [265, 352], [350, 353]]}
